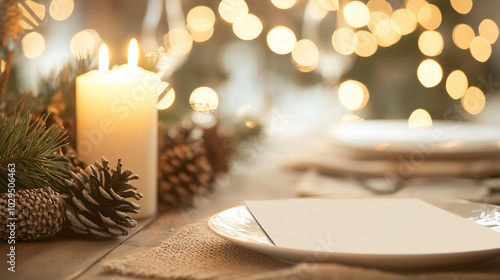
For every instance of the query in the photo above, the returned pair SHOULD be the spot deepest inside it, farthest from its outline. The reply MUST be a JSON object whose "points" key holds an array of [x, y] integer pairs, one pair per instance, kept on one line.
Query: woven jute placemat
{"points": [[196, 253]]}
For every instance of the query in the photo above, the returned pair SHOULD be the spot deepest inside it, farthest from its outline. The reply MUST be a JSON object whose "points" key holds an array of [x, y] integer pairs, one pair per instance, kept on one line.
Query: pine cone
{"points": [[39, 212], [97, 203], [10, 17], [219, 149], [184, 170]]}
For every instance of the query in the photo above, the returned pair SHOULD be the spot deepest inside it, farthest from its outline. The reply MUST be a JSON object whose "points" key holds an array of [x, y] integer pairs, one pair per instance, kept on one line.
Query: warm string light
{"points": [[305, 55], [473, 101], [33, 45], [283, 4], [233, 10], [200, 23], [84, 43], [204, 100], [353, 95], [33, 14], [281, 40], [371, 25], [456, 84], [419, 118], [248, 28], [430, 43], [167, 99], [61, 9], [429, 73]]}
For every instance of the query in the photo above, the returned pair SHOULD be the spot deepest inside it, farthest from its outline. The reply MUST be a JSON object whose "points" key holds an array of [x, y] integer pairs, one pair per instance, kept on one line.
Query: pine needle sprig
{"points": [[63, 80], [32, 147], [16, 104]]}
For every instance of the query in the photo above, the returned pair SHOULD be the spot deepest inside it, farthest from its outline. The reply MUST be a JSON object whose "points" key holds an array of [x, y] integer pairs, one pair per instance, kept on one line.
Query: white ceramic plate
{"points": [[442, 138], [238, 226]]}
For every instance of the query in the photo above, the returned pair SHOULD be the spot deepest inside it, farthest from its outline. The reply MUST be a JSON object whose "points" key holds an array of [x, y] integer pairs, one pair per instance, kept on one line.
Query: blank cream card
{"points": [[369, 226]]}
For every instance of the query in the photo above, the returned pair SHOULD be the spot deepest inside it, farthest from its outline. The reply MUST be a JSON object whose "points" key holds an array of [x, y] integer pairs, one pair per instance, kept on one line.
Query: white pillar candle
{"points": [[117, 118]]}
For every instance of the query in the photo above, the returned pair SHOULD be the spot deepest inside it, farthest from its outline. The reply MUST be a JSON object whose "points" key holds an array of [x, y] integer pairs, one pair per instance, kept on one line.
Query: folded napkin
{"points": [[312, 183], [353, 172], [333, 160], [196, 253]]}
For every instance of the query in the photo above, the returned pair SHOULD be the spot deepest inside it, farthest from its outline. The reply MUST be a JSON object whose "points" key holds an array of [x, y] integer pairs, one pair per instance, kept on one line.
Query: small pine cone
{"points": [[10, 17], [39, 212], [184, 173], [219, 149], [96, 203]]}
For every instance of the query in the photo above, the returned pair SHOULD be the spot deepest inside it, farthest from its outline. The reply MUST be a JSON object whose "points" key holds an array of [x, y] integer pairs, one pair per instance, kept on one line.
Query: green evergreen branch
{"points": [[32, 148]]}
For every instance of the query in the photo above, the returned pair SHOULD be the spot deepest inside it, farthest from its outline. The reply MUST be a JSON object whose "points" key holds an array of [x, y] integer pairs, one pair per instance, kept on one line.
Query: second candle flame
{"points": [[103, 58], [133, 52]]}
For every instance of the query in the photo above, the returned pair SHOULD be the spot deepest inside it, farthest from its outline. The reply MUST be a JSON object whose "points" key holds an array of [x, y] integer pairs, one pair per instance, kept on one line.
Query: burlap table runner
{"points": [[196, 253]]}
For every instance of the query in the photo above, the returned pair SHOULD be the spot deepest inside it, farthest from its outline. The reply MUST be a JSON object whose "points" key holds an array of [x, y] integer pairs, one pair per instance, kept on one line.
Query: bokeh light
{"points": [[480, 49], [488, 29], [344, 41], [463, 35], [248, 28], [419, 118], [473, 101], [429, 73], [204, 100], [430, 43], [402, 22], [233, 10], [200, 19], [462, 6], [353, 95], [33, 45], [305, 55], [380, 23], [167, 100], [414, 7], [61, 9], [380, 6], [388, 39], [34, 13], [281, 40], [84, 43], [367, 44], [356, 14], [283, 4], [2, 66], [178, 41], [429, 17], [456, 84]]}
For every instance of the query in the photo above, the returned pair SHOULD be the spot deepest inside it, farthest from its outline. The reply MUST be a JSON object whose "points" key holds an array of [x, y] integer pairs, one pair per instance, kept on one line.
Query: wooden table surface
{"points": [[66, 256]]}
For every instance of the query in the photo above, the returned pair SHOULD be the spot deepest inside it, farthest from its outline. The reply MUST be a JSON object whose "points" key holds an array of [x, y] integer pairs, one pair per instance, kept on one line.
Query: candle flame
{"points": [[133, 52], [103, 58]]}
